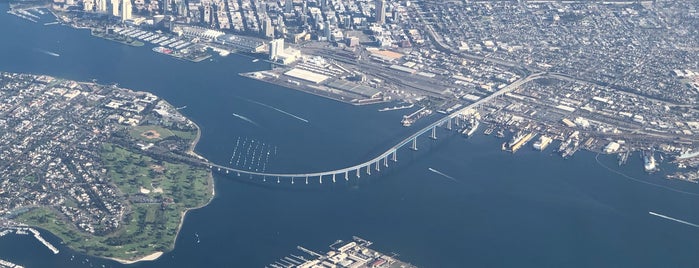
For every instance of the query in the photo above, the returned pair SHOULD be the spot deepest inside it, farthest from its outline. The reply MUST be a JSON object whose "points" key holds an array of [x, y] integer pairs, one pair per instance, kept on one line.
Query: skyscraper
{"points": [[88, 5], [326, 30], [126, 10], [289, 6], [269, 29], [101, 6], [115, 8], [380, 11], [276, 47]]}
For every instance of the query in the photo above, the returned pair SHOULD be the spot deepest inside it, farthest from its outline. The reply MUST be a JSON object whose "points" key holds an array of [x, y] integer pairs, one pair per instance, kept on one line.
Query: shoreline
{"points": [[151, 257], [155, 255]]}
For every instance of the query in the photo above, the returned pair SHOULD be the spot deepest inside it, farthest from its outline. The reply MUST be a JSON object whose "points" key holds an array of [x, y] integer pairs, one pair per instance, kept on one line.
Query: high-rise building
{"points": [[126, 10], [326, 30], [101, 6], [115, 8], [88, 5], [206, 13], [269, 29], [380, 11], [276, 47], [289, 6]]}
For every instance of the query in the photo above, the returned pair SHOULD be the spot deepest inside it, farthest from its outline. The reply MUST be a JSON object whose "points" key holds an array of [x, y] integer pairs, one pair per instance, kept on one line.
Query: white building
{"points": [[101, 5], [115, 8], [126, 10]]}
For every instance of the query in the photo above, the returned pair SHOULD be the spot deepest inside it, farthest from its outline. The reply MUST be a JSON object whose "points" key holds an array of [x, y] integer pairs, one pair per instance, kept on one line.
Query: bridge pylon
{"points": [[306, 179], [394, 156], [368, 169], [346, 175], [377, 166], [385, 161], [333, 177], [449, 124], [434, 133], [414, 146]]}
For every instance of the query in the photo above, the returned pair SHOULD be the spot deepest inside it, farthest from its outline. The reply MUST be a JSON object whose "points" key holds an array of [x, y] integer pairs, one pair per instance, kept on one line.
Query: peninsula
{"points": [[110, 171]]}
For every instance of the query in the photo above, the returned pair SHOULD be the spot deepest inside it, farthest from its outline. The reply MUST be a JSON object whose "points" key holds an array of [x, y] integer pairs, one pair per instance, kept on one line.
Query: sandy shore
{"points": [[151, 257]]}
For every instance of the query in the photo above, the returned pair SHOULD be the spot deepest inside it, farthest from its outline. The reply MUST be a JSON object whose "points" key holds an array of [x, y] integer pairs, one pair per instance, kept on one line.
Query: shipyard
{"points": [[355, 254]]}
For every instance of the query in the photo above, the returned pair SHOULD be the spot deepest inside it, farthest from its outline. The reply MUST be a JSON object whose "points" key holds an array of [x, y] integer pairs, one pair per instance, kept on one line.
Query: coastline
{"points": [[155, 255], [151, 257]]}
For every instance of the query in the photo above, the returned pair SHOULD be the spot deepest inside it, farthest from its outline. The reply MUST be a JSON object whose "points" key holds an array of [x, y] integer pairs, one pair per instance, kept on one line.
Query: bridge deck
{"points": [[367, 164]]}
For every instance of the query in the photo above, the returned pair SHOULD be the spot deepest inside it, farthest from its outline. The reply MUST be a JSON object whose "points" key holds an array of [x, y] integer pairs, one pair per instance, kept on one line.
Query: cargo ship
{"points": [[543, 142]]}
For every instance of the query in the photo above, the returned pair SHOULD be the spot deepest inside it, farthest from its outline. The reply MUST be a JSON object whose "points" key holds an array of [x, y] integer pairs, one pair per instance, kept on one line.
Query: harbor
{"points": [[8, 264], [355, 253], [26, 231]]}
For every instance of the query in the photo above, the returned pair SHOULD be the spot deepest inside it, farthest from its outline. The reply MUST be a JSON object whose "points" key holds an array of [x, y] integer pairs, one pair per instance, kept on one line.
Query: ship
{"points": [[500, 133], [542, 143], [515, 139], [649, 164], [521, 142], [468, 132], [570, 150], [396, 108], [163, 50], [623, 157]]}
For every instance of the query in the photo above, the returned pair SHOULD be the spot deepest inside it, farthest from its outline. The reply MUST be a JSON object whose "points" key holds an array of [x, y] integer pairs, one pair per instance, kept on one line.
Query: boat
{"points": [[255, 60], [500, 133], [163, 50], [515, 139], [623, 157], [543, 142], [396, 108], [649, 164], [520, 140], [468, 132]]}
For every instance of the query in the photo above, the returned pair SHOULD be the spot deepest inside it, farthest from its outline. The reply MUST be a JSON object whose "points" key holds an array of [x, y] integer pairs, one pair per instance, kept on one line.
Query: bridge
{"points": [[383, 158]]}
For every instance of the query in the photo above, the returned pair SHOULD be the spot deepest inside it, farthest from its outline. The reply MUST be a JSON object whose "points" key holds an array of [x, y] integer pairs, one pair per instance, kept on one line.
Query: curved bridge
{"points": [[391, 153]]}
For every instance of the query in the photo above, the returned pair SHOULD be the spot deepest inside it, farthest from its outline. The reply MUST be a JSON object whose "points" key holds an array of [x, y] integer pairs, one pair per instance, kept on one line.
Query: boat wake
{"points": [[246, 119], [442, 174], [673, 219], [277, 109], [642, 181], [48, 52]]}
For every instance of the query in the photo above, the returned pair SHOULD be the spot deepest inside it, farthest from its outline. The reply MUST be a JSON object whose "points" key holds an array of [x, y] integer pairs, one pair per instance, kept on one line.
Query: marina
{"points": [[356, 253], [34, 232], [8, 264]]}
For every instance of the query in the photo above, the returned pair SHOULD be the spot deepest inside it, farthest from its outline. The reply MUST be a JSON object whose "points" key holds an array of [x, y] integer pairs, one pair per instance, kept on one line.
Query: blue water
{"points": [[500, 210]]}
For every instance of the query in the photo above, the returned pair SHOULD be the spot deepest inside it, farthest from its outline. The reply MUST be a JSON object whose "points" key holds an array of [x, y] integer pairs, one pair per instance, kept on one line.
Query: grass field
{"points": [[137, 132], [146, 227]]}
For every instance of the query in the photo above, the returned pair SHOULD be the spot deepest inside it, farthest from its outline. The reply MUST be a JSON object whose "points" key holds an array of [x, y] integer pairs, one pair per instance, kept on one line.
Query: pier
{"points": [[391, 153]]}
